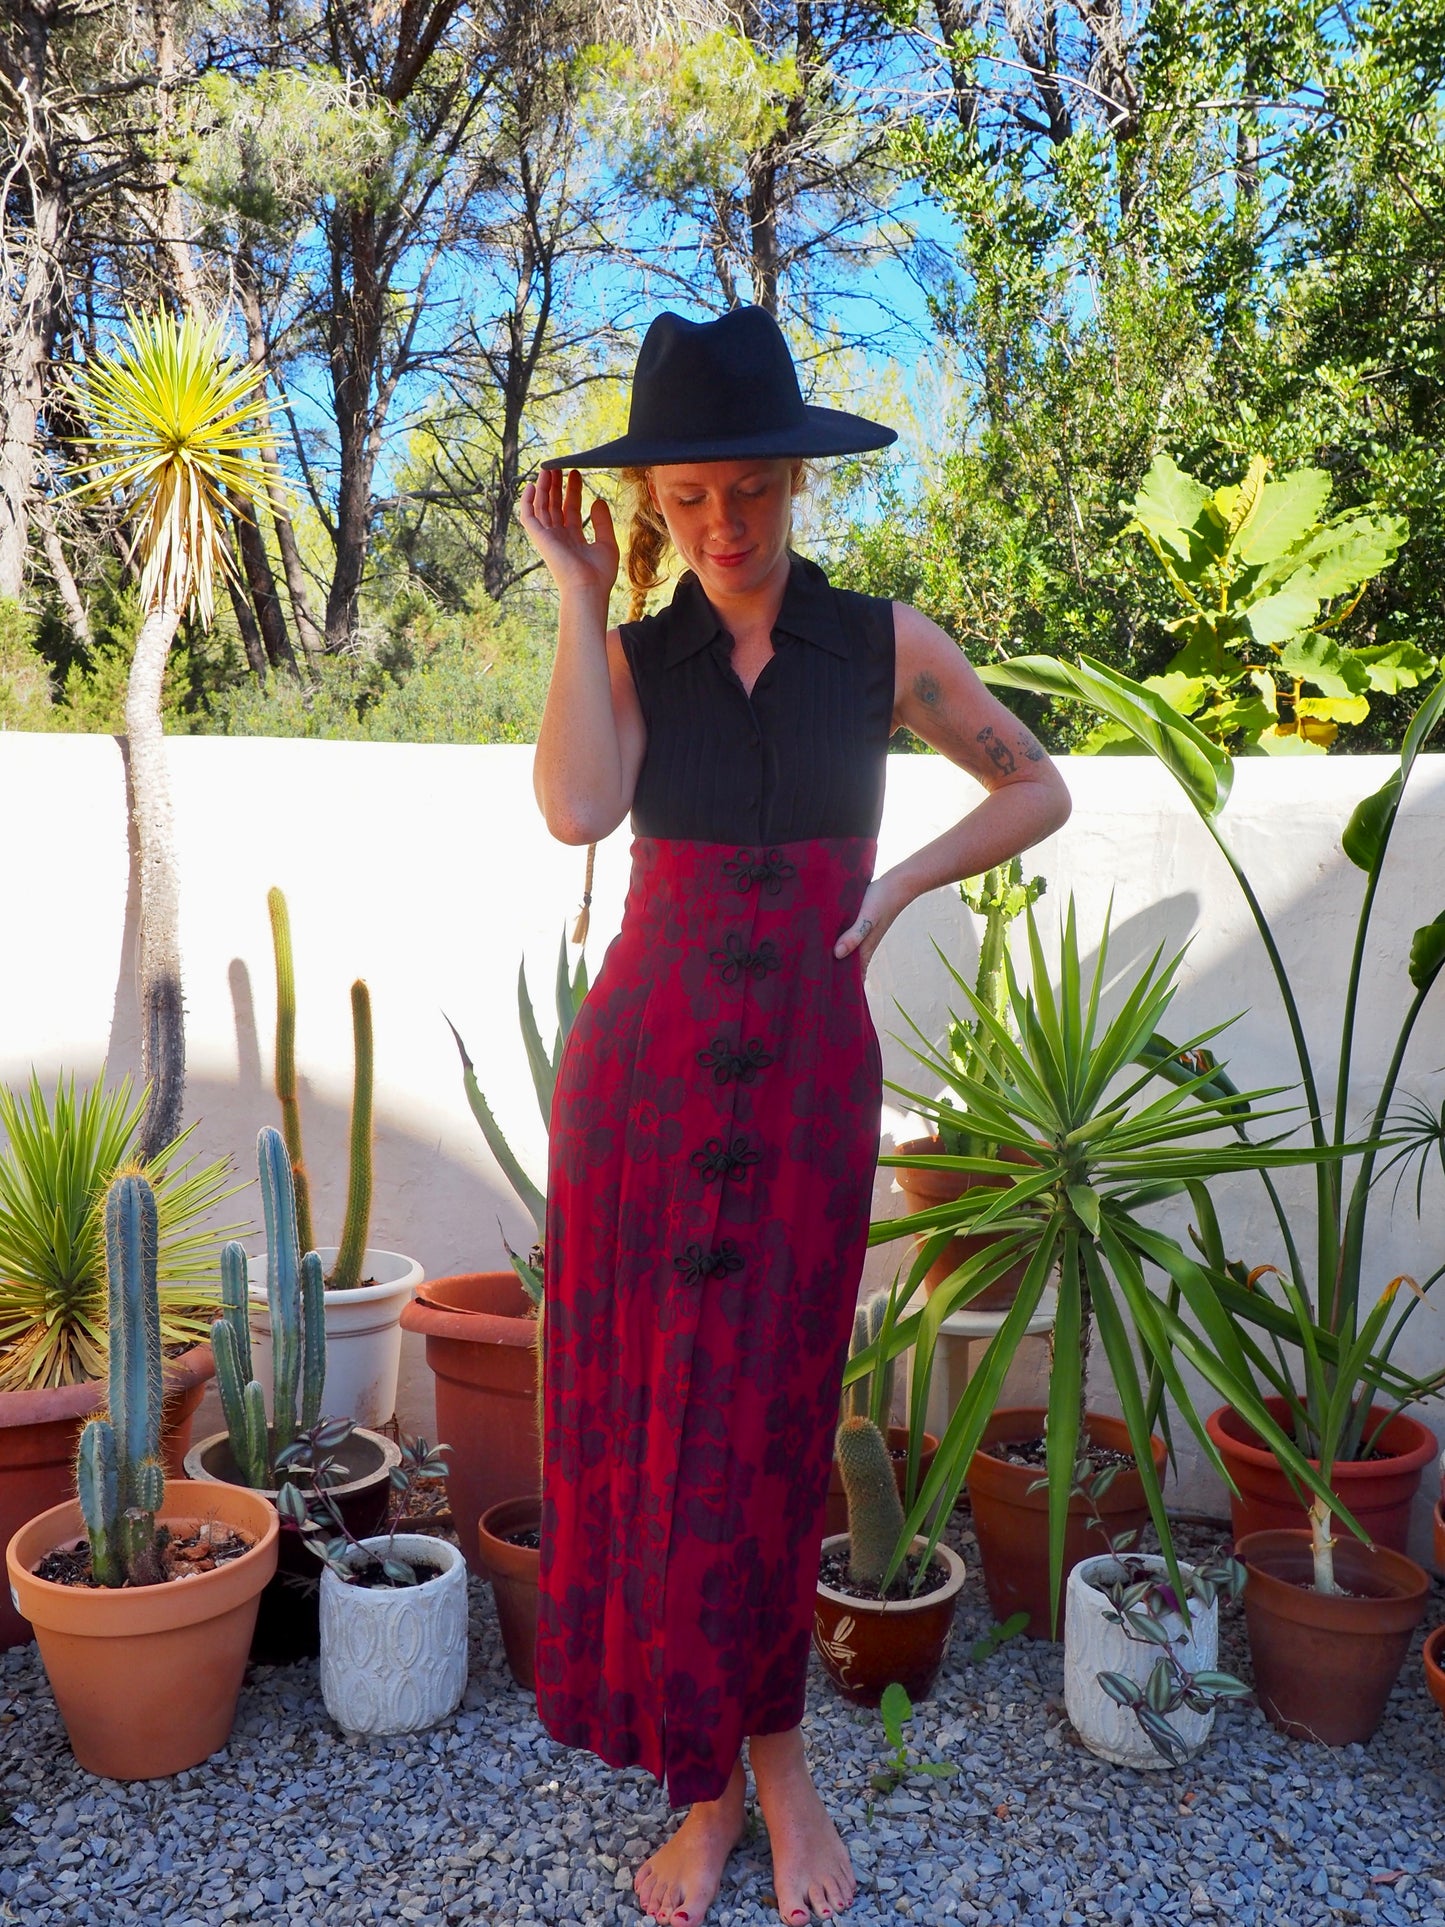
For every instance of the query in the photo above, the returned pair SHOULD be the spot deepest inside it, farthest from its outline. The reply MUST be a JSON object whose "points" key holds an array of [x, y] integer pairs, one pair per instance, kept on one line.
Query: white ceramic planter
{"points": [[395, 1660], [363, 1334], [1093, 1646]]}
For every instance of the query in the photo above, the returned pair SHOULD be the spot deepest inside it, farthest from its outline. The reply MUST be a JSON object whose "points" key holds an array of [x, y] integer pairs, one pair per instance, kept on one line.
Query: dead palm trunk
{"points": [[158, 949]]}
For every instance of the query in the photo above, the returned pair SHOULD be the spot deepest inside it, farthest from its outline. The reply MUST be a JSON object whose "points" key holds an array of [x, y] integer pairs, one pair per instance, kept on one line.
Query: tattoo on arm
{"points": [[926, 689], [997, 752]]}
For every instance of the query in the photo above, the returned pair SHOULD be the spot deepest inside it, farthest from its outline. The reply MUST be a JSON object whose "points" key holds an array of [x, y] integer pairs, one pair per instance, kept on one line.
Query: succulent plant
{"points": [[875, 1511], [294, 1291], [119, 1474], [870, 1396], [350, 1251]]}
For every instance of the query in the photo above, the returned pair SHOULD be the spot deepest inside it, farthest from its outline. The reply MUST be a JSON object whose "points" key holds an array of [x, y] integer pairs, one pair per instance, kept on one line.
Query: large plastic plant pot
{"points": [[363, 1334]]}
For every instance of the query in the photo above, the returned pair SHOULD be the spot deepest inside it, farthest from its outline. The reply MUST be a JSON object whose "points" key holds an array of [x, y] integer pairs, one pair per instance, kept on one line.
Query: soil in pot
{"points": [[864, 1642], [375, 1577], [1324, 1665], [1379, 1490], [509, 1540], [481, 1335], [288, 1623], [1012, 1521], [833, 1572], [147, 1677], [181, 1555], [39, 1433], [923, 1189]]}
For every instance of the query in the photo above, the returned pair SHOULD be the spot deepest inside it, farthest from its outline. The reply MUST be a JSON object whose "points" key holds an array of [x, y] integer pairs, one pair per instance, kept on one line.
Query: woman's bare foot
{"points": [[812, 1874], [676, 1885]]}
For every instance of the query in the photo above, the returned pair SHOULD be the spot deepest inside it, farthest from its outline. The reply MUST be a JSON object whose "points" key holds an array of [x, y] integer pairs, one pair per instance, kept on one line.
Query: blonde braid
{"points": [[647, 540]]}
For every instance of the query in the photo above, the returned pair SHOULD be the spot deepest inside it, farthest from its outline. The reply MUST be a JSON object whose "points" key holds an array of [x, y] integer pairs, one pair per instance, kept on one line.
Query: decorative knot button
{"points": [[728, 1065], [735, 959], [770, 870], [720, 1161], [694, 1266]]}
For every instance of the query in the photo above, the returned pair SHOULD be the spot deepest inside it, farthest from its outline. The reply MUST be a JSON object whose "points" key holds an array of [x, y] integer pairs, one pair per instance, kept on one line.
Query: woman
{"points": [[715, 1126]]}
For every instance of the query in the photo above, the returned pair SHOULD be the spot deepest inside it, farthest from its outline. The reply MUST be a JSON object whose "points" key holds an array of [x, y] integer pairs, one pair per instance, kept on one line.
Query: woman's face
{"points": [[729, 521]]}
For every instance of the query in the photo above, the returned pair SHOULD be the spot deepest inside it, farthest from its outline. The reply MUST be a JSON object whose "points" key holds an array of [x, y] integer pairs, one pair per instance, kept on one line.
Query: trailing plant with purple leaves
{"points": [[316, 1515]]}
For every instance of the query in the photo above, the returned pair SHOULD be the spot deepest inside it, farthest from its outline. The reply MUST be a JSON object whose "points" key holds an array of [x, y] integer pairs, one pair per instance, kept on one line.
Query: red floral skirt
{"points": [[713, 1142]]}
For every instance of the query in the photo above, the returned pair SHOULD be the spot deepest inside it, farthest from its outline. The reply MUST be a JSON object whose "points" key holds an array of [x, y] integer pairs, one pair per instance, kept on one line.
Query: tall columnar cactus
{"points": [[294, 1290], [119, 1474], [346, 1273], [998, 897], [858, 1398], [875, 1511], [286, 1092]]}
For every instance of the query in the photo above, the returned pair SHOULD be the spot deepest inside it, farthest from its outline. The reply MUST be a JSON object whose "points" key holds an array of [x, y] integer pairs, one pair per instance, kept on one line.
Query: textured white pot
{"points": [[1093, 1646], [395, 1660], [363, 1334]]}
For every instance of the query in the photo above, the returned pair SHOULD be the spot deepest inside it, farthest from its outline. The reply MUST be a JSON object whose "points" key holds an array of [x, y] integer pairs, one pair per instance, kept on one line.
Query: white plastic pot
{"points": [[394, 1659], [363, 1334], [1093, 1646]]}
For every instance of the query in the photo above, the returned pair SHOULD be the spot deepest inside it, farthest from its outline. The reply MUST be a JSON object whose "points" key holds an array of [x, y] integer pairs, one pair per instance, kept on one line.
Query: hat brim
{"points": [[823, 431]]}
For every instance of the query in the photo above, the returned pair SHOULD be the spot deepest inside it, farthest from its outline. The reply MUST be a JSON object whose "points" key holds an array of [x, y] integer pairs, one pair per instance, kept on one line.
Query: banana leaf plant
{"points": [[1320, 1291], [1106, 1137], [571, 988]]}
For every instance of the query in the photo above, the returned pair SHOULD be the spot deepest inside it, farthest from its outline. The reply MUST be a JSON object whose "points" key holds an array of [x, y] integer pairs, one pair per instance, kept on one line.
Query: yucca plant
{"points": [[177, 430], [1313, 1292], [58, 1161], [1080, 1095]]}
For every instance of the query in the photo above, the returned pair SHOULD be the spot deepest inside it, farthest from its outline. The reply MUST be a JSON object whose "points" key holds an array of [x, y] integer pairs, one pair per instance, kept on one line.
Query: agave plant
{"points": [[1080, 1096], [178, 430], [53, 1177]]}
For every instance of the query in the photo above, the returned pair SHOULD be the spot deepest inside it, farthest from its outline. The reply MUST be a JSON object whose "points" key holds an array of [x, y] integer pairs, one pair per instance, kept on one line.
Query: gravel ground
{"points": [[485, 1820]]}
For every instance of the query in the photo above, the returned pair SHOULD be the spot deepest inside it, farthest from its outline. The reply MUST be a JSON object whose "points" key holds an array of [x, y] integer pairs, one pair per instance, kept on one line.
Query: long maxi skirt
{"points": [[713, 1142]]}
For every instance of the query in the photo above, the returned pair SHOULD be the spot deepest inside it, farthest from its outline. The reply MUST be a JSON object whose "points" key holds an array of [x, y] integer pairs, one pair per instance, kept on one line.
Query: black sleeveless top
{"points": [[803, 756]]}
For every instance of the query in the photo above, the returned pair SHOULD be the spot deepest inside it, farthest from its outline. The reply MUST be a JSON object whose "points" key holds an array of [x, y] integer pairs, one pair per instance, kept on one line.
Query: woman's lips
{"points": [[730, 561]]}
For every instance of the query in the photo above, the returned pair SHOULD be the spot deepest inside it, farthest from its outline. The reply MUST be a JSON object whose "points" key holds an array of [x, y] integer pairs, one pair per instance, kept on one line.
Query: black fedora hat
{"points": [[718, 391]]}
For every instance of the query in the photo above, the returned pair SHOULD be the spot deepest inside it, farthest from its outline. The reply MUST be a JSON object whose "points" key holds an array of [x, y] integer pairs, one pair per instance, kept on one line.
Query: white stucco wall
{"points": [[427, 871]]}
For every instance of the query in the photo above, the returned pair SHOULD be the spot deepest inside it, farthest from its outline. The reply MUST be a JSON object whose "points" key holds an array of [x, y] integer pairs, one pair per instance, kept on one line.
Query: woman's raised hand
{"points": [[551, 514]]}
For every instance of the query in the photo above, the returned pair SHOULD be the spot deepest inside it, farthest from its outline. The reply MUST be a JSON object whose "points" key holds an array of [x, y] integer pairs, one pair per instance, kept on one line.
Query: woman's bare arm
{"points": [[592, 736], [938, 695]]}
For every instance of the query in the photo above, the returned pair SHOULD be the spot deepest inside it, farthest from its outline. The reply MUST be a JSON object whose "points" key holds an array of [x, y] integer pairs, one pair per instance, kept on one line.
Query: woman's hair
{"points": [[647, 539]]}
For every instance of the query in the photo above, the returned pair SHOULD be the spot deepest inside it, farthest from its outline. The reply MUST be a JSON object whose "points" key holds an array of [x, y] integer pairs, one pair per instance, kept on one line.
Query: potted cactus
{"points": [[869, 1394], [366, 1289], [297, 1442], [865, 1635], [146, 1671]]}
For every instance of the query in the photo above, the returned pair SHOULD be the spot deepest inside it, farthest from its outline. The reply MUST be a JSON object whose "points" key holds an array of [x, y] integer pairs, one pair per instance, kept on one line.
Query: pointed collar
{"points": [[810, 612]]}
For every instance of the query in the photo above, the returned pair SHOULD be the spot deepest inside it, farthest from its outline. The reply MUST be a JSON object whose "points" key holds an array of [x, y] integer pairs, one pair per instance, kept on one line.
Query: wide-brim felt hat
{"points": [[719, 391]]}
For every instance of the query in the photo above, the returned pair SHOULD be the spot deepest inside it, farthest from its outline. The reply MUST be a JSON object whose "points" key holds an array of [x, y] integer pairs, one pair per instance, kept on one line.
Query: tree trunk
{"points": [[70, 597], [158, 948], [250, 630], [23, 356], [355, 354], [261, 583]]}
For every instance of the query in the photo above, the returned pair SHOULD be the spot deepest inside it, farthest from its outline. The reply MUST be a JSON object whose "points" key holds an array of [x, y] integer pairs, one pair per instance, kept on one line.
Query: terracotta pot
{"points": [[481, 1335], [1378, 1491], [147, 1678], [865, 1643], [1012, 1523], [514, 1571], [288, 1624], [1435, 1666], [39, 1433], [1324, 1666], [1439, 1536], [924, 1189], [835, 1517], [363, 1334]]}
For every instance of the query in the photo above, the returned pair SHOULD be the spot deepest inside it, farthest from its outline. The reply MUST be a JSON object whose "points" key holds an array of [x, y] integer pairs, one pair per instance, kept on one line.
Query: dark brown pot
{"points": [[835, 1518], [1324, 1666], [288, 1620], [39, 1433], [481, 1344], [513, 1571], [1379, 1491], [924, 1189], [865, 1643], [1012, 1523]]}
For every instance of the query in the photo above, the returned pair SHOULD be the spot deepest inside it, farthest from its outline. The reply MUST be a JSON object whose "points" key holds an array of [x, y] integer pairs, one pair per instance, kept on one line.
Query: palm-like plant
{"points": [[178, 427], [53, 1177], [1071, 1091]]}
